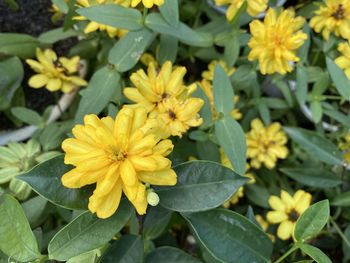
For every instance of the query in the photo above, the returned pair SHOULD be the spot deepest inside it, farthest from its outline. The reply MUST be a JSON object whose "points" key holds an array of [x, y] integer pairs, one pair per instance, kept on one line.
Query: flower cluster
{"points": [[254, 7]]}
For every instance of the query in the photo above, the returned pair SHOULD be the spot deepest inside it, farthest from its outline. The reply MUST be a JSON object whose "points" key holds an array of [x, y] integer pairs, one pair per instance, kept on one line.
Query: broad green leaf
{"points": [[316, 145], [113, 15], [56, 34], [257, 194], [342, 199], [232, 139], [201, 185], [229, 236], [311, 222], [33, 209], [205, 111], [301, 85], [27, 115], [170, 255], [20, 45], [126, 52], [156, 221], [315, 253], [102, 86], [182, 32], [170, 12], [222, 91], [341, 82], [45, 179], [87, 232], [128, 249], [88, 257], [338, 116], [16, 238], [231, 51], [168, 46], [11, 76], [314, 177]]}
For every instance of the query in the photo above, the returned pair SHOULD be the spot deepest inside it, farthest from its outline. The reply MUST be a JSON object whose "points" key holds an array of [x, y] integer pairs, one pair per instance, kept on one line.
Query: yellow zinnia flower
{"points": [[158, 85], [275, 41], [121, 155], [287, 210], [94, 26], [344, 61], [147, 3], [333, 16], [266, 144], [55, 73], [254, 7]]}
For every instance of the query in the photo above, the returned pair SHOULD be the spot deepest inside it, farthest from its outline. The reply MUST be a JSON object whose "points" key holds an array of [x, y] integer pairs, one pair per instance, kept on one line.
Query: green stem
{"points": [[341, 234], [290, 251]]}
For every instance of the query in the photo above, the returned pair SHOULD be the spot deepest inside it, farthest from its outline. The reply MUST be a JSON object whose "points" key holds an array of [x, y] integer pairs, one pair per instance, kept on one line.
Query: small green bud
{"points": [[152, 198]]}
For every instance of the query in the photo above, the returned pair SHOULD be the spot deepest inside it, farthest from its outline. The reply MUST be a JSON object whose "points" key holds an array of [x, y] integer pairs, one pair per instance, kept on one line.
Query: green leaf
{"points": [[316, 111], [232, 139], [16, 238], [56, 34], [201, 185], [27, 115], [341, 82], [11, 76], [156, 221], [20, 45], [61, 4], [127, 51], [170, 255], [342, 199], [229, 236], [316, 145], [231, 51], [87, 232], [311, 222], [222, 91], [33, 209], [128, 249], [102, 86], [88, 257], [315, 253], [301, 85], [113, 15], [168, 46], [170, 12], [182, 32], [314, 177], [45, 179]]}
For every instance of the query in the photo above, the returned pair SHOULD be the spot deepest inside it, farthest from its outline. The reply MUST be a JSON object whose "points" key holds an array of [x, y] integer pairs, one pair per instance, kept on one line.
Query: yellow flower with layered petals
{"points": [[147, 3], [345, 147], [343, 61], [55, 73], [93, 26], [287, 210], [121, 155], [333, 16], [274, 42], [254, 7], [209, 74], [157, 86], [266, 144]]}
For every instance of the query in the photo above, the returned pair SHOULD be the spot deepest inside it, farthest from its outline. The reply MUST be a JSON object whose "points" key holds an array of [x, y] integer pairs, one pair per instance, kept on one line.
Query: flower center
{"points": [[339, 14], [293, 215], [165, 96], [119, 156], [172, 115]]}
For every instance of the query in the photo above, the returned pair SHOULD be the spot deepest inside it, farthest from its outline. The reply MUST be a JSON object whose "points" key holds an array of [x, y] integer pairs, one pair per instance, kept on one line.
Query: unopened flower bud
{"points": [[152, 198]]}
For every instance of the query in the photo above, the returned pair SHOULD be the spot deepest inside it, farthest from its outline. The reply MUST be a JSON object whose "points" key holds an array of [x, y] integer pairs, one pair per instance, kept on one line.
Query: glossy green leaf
{"points": [[222, 91], [156, 221], [311, 222], [87, 232], [170, 12], [170, 255], [20, 45], [301, 85], [314, 177], [317, 146], [182, 32], [33, 209], [27, 115], [45, 179], [230, 237], [102, 86], [232, 139], [315, 253], [201, 185], [126, 52], [128, 249], [342, 199], [88, 257], [341, 82], [113, 15], [16, 238], [168, 46], [57, 34]]}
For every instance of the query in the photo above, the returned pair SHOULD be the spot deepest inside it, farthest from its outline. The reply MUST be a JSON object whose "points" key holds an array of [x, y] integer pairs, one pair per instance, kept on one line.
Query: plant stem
{"points": [[290, 251], [341, 234]]}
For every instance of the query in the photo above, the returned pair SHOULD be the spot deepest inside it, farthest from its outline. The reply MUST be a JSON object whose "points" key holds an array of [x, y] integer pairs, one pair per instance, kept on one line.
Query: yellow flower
{"points": [[55, 73], [121, 155], [264, 225], [254, 7], [275, 41], [207, 87], [94, 26], [179, 116], [147, 3], [158, 85], [147, 59], [287, 210], [209, 74], [345, 147], [266, 144], [344, 61], [333, 16]]}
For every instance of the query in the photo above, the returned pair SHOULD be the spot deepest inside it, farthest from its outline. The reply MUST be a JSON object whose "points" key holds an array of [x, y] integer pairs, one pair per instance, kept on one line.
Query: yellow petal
{"points": [[276, 203], [128, 173], [38, 81], [275, 217], [285, 230], [163, 177]]}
